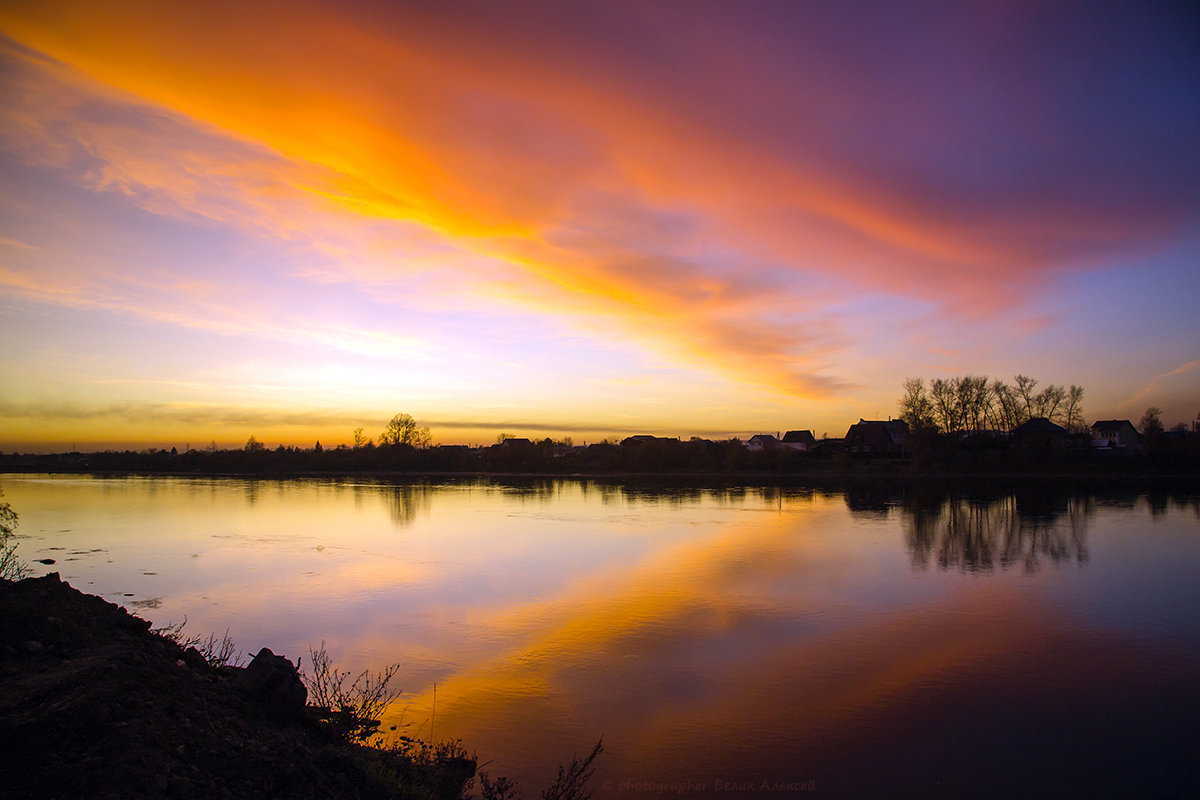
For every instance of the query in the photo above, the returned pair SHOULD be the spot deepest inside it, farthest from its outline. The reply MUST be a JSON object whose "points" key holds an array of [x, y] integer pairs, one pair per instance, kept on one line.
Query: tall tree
{"points": [[403, 429], [945, 404], [915, 407], [973, 396], [1074, 409], [1049, 400], [1006, 408], [1026, 391]]}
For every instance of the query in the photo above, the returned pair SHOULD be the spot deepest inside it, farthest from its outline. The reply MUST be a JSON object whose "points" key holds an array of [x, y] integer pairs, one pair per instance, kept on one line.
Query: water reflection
{"points": [[405, 502], [732, 633], [1160, 502], [872, 502], [977, 535]]}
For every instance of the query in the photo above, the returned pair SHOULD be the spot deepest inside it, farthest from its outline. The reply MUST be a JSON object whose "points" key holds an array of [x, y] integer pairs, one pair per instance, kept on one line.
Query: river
{"points": [[724, 642]]}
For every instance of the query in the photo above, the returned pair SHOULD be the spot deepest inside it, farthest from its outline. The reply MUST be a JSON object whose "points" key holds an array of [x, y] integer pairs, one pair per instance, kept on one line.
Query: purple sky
{"points": [[292, 219]]}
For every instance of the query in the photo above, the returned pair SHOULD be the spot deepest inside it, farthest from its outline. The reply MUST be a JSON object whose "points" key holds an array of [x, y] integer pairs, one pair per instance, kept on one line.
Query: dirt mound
{"points": [[92, 704]]}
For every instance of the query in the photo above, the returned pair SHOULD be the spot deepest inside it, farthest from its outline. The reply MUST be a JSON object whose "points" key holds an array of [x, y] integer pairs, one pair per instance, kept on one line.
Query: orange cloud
{"points": [[733, 211]]}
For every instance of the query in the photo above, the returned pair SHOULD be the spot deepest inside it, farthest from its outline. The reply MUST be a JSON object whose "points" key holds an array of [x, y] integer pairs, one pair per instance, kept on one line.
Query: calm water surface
{"points": [[749, 642]]}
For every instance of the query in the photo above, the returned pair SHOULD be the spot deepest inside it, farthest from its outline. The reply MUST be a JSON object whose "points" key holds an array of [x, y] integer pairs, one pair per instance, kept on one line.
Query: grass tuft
{"points": [[221, 652]]}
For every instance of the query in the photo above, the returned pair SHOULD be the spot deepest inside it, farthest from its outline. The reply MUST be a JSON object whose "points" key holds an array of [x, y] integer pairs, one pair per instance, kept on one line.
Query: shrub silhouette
{"points": [[11, 567], [349, 713]]}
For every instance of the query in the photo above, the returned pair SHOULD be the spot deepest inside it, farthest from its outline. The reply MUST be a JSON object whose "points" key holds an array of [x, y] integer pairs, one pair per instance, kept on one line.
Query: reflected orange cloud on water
{"points": [[696, 661]]}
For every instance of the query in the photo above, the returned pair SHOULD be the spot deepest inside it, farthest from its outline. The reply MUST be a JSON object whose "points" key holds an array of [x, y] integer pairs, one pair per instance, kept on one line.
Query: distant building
{"points": [[827, 448], [799, 440], [641, 438], [515, 443], [1039, 434], [762, 441], [645, 439], [1118, 433], [877, 437]]}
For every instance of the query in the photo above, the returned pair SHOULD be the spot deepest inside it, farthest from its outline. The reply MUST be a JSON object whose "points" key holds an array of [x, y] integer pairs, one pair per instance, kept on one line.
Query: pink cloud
{"points": [[689, 178]]}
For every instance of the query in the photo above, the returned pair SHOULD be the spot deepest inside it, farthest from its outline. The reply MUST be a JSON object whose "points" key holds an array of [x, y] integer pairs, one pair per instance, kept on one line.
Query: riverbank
{"points": [[95, 704], [723, 461], [832, 477]]}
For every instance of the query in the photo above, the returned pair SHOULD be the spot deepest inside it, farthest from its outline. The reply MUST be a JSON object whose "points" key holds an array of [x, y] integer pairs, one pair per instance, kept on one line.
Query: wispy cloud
{"points": [[1155, 387], [190, 413], [118, 145], [227, 416], [14, 243]]}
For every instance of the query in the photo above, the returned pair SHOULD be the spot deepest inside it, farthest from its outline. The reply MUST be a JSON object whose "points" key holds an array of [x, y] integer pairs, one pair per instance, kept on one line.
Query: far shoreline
{"points": [[815, 478]]}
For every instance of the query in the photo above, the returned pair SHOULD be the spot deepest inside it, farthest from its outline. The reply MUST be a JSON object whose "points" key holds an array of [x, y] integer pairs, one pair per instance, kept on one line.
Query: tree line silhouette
{"points": [[952, 423], [973, 403], [972, 419]]}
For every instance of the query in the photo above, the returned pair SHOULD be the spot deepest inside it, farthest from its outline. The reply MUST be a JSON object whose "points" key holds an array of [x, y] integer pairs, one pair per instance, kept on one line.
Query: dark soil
{"points": [[95, 705]]}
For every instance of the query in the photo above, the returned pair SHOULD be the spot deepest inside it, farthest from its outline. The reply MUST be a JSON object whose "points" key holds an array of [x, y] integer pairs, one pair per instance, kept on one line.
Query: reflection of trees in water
{"points": [[975, 535], [1160, 502], [869, 501], [538, 490], [684, 496], [779, 496], [609, 492], [403, 500], [1191, 503]]}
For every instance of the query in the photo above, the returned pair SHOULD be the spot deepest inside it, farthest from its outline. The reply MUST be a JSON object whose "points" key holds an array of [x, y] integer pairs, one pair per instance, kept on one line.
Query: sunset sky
{"points": [[290, 219]]}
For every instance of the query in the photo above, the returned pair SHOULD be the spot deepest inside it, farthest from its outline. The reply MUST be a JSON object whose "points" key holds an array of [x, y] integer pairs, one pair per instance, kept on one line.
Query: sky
{"points": [[586, 219]]}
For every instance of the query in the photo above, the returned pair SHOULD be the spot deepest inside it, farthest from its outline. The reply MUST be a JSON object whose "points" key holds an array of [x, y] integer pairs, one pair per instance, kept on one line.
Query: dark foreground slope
{"points": [[93, 704]]}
